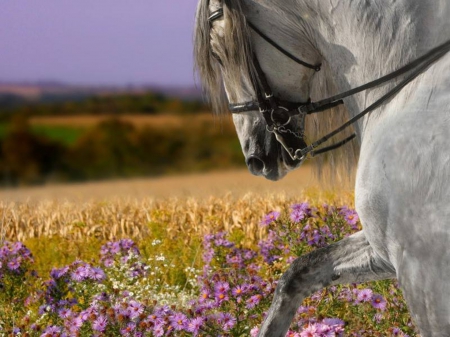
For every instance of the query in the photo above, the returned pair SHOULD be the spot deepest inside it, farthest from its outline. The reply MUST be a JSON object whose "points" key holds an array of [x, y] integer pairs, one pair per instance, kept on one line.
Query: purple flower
{"points": [[52, 331], [364, 295], [195, 325], [315, 238], [253, 301], [208, 237], [220, 242], [304, 207], [350, 216], [58, 273], [333, 321], [100, 323], [221, 297], [115, 248], [234, 259], [208, 255], [253, 268], [80, 274], [239, 290], [300, 212], [135, 309], [397, 332], [158, 330], [269, 218], [128, 244], [297, 216], [129, 329], [97, 274], [227, 320], [108, 262], [122, 312], [14, 264], [64, 313], [378, 318], [205, 294], [75, 324], [378, 302], [345, 294], [222, 287], [121, 248], [179, 321]]}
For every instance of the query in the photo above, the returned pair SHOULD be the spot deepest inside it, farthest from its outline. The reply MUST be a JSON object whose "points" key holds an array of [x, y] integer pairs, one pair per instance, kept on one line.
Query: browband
{"points": [[215, 15]]}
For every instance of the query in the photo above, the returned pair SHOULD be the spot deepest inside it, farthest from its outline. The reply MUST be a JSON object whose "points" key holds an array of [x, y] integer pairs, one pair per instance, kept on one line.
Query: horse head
{"points": [[232, 56]]}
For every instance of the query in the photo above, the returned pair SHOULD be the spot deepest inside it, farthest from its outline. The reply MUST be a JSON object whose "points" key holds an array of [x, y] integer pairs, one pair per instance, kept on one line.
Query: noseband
{"points": [[278, 113]]}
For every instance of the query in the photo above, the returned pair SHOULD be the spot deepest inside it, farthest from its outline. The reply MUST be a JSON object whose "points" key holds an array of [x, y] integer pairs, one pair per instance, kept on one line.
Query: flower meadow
{"points": [[225, 293]]}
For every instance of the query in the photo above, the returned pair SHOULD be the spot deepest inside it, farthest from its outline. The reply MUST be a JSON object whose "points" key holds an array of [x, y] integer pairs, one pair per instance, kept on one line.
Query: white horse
{"points": [[402, 181]]}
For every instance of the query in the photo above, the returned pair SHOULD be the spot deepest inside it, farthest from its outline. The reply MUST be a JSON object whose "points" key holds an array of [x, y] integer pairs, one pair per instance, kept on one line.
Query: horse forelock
{"points": [[232, 46]]}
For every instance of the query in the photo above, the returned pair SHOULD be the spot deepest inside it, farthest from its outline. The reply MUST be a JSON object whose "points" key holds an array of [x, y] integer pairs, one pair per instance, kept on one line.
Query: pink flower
{"points": [[309, 331], [254, 332]]}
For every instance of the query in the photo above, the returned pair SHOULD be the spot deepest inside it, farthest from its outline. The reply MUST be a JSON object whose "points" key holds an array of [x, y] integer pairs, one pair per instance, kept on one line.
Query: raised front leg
{"points": [[351, 260]]}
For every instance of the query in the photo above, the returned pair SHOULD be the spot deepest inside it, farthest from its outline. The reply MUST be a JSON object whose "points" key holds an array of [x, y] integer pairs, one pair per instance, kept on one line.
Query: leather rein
{"points": [[278, 113]]}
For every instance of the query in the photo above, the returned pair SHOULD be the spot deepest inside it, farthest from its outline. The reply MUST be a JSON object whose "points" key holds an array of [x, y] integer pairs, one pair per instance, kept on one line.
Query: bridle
{"points": [[278, 113]]}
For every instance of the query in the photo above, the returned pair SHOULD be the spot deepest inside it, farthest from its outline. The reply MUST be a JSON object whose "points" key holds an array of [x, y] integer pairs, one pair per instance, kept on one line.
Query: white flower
{"points": [[156, 242], [160, 258]]}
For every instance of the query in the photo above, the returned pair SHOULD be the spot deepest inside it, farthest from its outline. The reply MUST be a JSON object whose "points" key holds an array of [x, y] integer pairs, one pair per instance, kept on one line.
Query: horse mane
{"points": [[236, 68], [339, 165], [232, 47]]}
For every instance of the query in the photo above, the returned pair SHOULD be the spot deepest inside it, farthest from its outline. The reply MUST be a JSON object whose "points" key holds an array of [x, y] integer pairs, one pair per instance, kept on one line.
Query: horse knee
{"points": [[307, 274]]}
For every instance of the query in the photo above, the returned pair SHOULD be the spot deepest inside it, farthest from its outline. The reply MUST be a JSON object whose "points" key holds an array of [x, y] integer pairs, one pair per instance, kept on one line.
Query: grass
{"points": [[66, 135], [3, 130]]}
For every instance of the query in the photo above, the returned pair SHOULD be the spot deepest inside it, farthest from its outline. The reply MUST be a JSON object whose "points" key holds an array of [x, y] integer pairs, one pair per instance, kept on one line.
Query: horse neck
{"points": [[363, 40]]}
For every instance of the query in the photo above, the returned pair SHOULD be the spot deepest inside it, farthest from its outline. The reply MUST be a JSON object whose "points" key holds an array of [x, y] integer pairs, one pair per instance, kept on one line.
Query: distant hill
{"points": [[50, 91], [59, 99]]}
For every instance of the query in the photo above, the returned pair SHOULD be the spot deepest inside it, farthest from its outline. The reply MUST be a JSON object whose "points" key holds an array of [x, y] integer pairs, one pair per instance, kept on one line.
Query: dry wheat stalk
{"points": [[126, 217]]}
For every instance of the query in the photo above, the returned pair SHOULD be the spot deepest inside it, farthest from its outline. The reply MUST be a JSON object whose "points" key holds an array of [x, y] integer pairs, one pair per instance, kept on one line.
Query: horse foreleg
{"points": [[350, 260]]}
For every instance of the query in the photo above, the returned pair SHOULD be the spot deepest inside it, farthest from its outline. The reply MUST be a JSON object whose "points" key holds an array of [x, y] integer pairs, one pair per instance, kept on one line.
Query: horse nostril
{"points": [[255, 165]]}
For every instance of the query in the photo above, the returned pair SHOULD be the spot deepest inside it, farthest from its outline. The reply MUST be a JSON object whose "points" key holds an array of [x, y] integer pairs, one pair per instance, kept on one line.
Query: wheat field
{"points": [[199, 204]]}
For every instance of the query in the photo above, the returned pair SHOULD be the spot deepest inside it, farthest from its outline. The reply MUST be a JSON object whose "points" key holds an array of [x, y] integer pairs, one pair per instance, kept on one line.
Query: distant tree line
{"points": [[119, 104], [112, 149]]}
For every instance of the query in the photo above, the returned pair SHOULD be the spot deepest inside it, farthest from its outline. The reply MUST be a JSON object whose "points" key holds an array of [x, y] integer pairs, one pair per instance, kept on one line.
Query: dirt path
{"points": [[237, 182]]}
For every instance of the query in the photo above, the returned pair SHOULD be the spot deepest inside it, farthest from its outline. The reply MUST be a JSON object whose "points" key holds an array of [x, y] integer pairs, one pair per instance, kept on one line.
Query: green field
{"points": [[62, 134], [66, 135]]}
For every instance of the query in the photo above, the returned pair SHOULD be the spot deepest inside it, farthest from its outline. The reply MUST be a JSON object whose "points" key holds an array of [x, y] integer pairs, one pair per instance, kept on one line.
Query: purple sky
{"points": [[97, 41]]}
